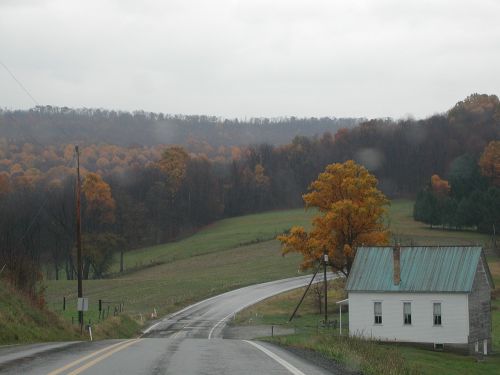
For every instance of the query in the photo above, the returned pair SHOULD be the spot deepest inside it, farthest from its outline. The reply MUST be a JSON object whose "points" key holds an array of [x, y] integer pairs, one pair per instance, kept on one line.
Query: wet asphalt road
{"points": [[187, 342]]}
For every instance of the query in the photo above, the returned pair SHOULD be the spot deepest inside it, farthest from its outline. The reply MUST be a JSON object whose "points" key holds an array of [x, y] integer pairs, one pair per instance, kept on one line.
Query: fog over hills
{"points": [[53, 125]]}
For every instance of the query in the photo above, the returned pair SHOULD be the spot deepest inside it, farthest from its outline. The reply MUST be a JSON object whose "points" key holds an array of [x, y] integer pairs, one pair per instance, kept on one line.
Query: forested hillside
{"points": [[141, 189], [54, 126]]}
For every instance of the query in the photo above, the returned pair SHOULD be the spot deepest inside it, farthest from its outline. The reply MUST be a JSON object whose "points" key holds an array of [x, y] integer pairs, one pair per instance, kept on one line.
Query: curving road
{"points": [[187, 342]]}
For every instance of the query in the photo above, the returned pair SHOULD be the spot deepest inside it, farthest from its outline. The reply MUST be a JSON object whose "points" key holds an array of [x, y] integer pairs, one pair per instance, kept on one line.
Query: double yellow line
{"points": [[108, 351]]}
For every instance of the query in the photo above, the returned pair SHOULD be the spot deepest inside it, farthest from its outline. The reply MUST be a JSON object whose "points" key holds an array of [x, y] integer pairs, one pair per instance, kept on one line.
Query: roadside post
{"points": [[81, 306], [89, 328]]}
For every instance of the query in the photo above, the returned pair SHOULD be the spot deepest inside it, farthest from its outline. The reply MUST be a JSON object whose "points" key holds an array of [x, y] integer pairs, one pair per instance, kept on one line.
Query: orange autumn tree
{"points": [[100, 202], [440, 186], [99, 244], [351, 213], [490, 162], [173, 163]]}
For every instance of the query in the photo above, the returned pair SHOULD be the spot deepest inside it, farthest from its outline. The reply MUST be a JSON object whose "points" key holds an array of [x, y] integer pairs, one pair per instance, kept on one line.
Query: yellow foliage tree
{"points": [[260, 178], [100, 202], [490, 162], [351, 213], [173, 163]]}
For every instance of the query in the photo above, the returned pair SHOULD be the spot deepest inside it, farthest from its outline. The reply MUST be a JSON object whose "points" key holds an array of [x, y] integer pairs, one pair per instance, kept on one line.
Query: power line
{"points": [[32, 98], [19, 83], [42, 206]]}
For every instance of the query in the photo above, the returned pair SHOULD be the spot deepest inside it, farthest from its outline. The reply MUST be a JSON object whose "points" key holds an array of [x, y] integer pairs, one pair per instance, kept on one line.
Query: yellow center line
{"points": [[102, 357], [72, 364]]}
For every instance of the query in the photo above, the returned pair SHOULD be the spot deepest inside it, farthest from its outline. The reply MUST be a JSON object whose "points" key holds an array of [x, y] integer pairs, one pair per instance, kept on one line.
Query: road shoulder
{"points": [[14, 353], [310, 356]]}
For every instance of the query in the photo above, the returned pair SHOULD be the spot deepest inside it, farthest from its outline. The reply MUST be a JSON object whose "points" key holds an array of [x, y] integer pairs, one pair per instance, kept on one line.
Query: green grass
{"points": [[170, 286], [410, 232], [222, 235], [228, 254], [430, 362], [352, 353], [277, 310], [23, 322]]}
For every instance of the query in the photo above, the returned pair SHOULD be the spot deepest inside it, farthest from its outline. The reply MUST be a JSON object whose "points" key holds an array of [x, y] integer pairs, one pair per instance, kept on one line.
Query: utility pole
{"points": [[325, 261], [79, 234]]}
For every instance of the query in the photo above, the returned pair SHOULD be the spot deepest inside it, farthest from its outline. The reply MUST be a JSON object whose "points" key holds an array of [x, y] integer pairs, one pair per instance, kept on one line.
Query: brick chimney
{"points": [[396, 261]]}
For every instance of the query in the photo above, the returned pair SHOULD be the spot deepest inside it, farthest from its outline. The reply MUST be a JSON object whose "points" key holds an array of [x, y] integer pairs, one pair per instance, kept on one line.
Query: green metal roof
{"points": [[423, 269]]}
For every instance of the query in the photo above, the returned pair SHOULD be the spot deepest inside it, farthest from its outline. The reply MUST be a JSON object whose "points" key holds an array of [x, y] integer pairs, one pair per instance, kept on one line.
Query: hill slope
{"points": [[23, 322]]}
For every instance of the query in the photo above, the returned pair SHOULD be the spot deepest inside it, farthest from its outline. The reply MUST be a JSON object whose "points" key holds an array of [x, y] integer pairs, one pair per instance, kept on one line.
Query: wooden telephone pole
{"points": [[79, 264], [325, 284]]}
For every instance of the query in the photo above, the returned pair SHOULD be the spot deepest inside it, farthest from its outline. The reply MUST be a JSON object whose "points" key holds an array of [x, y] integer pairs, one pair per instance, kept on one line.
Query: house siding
{"points": [[480, 309], [454, 309]]}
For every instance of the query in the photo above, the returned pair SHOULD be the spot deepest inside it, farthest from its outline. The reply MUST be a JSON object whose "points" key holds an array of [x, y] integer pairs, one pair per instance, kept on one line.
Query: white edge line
{"points": [[177, 313], [332, 275], [258, 300], [294, 370]]}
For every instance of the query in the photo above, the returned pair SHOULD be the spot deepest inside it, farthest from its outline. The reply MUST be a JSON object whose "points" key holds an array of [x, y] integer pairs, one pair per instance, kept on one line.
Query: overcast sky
{"points": [[251, 58]]}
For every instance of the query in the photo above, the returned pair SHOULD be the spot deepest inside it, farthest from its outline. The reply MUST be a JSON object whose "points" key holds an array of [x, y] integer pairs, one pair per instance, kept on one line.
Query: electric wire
{"points": [[19, 83], [42, 206]]}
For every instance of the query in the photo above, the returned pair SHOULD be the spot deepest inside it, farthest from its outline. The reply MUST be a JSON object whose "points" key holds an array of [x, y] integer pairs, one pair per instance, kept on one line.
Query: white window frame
{"points": [[375, 314], [441, 313], [404, 314]]}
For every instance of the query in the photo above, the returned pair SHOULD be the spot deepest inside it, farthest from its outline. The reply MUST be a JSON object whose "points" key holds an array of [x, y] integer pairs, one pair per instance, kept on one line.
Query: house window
{"points": [[377, 310], [407, 313], [437, 313]]}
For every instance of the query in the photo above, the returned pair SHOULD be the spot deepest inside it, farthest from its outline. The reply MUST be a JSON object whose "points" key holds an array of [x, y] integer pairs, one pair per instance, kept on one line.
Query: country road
{"points": [[187, 342]]}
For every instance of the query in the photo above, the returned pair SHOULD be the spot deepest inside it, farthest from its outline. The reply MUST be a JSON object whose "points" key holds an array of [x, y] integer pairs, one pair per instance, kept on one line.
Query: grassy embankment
{"points": [[374, 358], [22, 321]]}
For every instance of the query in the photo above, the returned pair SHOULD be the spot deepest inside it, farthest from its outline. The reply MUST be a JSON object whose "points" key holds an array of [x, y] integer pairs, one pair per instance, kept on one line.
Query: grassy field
{"points": [[410, 232], [170, 286], [226, 255], [222, 235]]}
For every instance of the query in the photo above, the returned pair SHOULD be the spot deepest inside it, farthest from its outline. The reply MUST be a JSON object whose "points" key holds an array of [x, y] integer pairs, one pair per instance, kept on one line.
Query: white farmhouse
{"points": [[439, 296]]}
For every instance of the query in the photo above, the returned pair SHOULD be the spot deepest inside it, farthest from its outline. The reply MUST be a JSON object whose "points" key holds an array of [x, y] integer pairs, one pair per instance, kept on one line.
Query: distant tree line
{"points": [[137, 195], [55, 126]]}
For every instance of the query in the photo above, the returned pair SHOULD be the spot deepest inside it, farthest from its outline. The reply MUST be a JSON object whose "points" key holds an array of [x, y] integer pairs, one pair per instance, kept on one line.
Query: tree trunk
{"points": [[121, 260], [86, 270]]}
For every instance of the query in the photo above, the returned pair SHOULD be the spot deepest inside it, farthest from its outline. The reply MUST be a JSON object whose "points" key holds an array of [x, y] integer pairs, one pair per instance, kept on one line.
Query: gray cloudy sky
{"points": [[370, 58]]}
